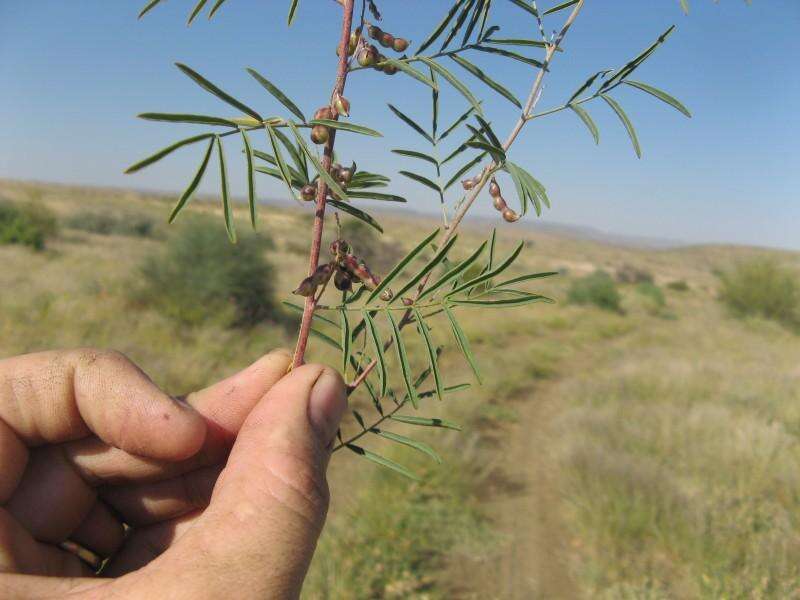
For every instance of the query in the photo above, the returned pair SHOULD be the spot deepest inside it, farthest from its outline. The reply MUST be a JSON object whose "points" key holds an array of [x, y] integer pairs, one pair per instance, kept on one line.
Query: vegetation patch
{"points": [[105, 223], [597, 289], [30, 224], [762, 287]]}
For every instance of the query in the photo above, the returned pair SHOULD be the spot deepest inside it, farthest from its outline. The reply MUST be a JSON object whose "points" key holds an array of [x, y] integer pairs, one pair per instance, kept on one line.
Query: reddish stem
{"points": [[322, 188]]}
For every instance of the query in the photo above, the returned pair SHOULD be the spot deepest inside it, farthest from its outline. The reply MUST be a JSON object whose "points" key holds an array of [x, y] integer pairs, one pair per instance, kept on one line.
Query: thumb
{"points": [[270, 502]]}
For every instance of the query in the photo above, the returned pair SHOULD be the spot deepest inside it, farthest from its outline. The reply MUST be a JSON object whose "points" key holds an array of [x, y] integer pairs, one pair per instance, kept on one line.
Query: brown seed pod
{"points": [[342, 105], [365, 58], [400, 45], [494, 189], [342, 281], [510, 216], [499, 203], [406, 301], [319, 134], [345, 176], [308, 192], [389, 69], [376, 33], [467, 184], [325, 112], [387, 40], [386, 295], [353, 43], [310, 284]]}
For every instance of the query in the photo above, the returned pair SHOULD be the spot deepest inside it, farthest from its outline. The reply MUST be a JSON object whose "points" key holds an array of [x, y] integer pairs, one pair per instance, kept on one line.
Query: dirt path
{"points": [[525, 508]]}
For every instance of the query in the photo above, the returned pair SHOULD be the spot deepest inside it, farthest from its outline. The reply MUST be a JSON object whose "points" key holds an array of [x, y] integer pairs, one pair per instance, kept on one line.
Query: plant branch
{"points": [[322, 188], [530, 105]]}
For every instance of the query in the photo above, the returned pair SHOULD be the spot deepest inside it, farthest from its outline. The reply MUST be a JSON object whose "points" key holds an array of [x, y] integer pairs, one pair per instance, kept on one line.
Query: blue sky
{"points": [[74, 74]]}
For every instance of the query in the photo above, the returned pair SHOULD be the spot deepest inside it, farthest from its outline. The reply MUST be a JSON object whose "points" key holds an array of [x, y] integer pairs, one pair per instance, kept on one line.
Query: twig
{"points": [[322, 188]]}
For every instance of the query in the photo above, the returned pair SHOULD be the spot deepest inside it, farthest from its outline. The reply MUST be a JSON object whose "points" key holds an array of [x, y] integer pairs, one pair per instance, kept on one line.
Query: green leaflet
{"points": [[458, 24], [433, 361], [452, 80], [187, 118], [632, 65], [355, 212], [489, 274], [410, 122], [463, 170], [277, 93], [508, 54], [505, 302], [187, 194], [374, 335], [626, 122], [376, 196], [400, 266], [528, 277], [403, 66], [146, 162], [384, 462], [346, 126], [292, 12], [215, 8], [198, 7], [463, 343], [588, 121], [661, 95], [561, 6], [283, 169], [515, 42], [407, 441], [213, 89], [441, 26], [474, 70], [421, 179], [346, 338], [451, 274], [148, 7], [251, 178], [456, 123], [425, 422], [402, 357], [432, 264], [415, 154], [227, 209]]}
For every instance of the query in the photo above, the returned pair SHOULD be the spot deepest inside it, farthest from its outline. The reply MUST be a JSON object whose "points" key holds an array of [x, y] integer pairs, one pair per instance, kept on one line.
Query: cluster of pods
{"points": [[320, 134], [346, 268], [498, 201], [343, 176], [369, 55]]}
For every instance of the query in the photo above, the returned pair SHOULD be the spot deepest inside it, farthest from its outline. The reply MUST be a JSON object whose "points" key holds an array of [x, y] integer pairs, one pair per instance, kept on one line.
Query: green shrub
{"points": [[762, 287], [598, 289], [653, 296], [200, 277], [28, 224], [678, 286], [104, 223]]}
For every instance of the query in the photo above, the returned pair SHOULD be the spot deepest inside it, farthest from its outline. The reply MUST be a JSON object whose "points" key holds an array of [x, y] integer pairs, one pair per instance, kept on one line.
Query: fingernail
{"points": [[327, 405]]}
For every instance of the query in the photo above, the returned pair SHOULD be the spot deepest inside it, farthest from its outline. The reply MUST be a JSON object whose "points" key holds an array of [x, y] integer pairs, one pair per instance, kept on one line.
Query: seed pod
{"points": [[375, 32], [468, 184], [326, 112], [342, 281], [494, 189], [353, 43], [319, 134], [406, 301], [389, 69], [342, 105], [339, 248], [365, 57], [308, 192], [509, 215], [400, 45], [386, 295], [387, 40], [345, 176], [499, 203], [310, 284]]}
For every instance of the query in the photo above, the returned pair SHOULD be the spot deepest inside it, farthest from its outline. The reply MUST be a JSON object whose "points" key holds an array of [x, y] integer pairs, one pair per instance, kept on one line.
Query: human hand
{"points": [[225, 493]]}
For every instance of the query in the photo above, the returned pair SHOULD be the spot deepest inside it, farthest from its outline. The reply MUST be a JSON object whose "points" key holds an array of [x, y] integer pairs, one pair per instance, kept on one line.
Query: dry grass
{"points": [[673, 441]]}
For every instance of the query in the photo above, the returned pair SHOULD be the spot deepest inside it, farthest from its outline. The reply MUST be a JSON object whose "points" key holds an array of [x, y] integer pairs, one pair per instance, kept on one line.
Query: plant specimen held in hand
{"points": [[377, 312]]}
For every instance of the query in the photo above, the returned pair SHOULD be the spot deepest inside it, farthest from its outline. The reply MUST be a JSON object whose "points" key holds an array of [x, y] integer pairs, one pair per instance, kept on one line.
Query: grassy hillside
{"points": [[645, 452]]}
